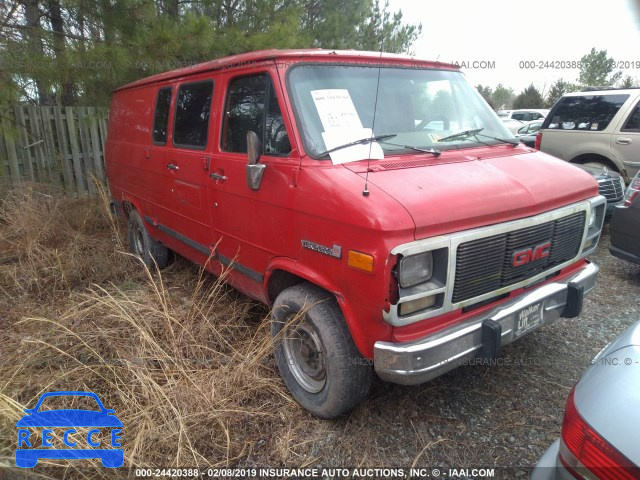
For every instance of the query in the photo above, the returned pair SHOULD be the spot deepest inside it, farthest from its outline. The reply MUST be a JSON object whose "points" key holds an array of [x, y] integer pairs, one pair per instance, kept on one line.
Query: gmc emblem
{"points": [[522, 257]]}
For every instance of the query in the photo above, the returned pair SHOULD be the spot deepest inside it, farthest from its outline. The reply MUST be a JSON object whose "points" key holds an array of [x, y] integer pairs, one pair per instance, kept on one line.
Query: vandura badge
{"points": [[105, 429]]}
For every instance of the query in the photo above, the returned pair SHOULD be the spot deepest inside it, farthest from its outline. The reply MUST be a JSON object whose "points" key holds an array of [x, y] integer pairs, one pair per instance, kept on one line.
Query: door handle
{"points": [[216, 176], [623, 140], [172, 166]]}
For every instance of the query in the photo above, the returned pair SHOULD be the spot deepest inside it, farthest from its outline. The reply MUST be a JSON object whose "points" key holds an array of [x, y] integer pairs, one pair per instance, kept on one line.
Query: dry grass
{"points": [[184, 361]]}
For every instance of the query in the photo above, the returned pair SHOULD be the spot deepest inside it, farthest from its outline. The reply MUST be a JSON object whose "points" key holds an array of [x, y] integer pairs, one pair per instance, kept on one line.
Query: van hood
{"points": [[470, 188]]}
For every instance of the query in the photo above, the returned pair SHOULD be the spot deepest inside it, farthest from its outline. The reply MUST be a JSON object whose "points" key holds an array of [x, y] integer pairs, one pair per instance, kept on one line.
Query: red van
{"points": [[375, 201]]}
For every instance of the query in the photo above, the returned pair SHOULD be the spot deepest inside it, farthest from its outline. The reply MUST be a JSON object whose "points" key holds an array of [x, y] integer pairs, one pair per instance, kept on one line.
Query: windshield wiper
{"points": [[362, 141], [432, 151], [476, 133], [464, 133], [503, 140]]}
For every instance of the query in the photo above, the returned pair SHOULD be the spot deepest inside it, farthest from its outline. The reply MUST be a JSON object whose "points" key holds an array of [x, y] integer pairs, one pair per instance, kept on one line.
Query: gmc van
{"points": [[376, 202]]}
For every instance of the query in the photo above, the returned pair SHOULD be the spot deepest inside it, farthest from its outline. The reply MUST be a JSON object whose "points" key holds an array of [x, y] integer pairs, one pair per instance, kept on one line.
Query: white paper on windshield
{"points": [[336, 137], [336, 109]]}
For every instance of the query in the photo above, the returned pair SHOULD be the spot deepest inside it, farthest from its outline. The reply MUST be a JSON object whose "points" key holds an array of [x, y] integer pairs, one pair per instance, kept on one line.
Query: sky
{"points": [[512, 41]]}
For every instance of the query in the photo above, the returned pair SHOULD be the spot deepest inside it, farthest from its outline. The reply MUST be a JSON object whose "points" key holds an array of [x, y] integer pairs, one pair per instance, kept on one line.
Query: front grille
{"points": [[611, 188], [486, 264]]}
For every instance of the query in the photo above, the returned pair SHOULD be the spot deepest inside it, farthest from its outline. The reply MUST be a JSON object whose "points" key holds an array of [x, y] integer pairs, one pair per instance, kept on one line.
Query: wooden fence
{"points": [[59, 145]]}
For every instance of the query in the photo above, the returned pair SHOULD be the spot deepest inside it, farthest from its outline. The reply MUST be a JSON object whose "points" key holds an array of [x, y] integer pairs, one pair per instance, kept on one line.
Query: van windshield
{"points": [[419, 106]]}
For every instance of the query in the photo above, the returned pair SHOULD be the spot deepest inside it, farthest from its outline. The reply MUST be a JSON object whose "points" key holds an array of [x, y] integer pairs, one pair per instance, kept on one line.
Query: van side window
{"points": [[193, 106], [161, 117], [633, 122], [252, 105]]}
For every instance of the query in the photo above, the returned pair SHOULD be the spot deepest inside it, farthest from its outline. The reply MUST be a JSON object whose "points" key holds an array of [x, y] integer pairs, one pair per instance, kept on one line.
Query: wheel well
{"points": [[281, 280], [594, 157], [127, 207]]}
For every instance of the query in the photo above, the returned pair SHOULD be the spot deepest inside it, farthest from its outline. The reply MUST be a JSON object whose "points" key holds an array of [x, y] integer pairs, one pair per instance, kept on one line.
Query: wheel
{"points": [[141, 244], [26, 460], [113, 459], [317, 359]]}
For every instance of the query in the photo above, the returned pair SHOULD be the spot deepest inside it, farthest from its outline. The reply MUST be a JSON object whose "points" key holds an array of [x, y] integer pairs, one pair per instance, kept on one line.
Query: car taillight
{"points": [[538, 140], [632, 190], [584, 447]]}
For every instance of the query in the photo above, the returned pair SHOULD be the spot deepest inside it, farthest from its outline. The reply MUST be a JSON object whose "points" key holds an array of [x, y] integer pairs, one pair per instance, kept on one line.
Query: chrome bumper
{"points": [[419, 361]]}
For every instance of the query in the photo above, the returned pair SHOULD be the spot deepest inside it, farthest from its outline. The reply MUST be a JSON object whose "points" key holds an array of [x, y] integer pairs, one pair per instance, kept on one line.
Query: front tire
{"points": [[317, 359], [141, 244]]}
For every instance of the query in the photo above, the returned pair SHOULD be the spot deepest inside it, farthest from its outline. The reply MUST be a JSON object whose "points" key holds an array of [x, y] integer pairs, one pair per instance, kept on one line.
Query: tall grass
{"points": [[184, 361]]}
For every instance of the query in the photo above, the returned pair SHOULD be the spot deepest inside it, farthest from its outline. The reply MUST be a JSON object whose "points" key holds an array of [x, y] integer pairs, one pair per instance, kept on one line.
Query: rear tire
{"points": [[316, 356], [141, 244]]}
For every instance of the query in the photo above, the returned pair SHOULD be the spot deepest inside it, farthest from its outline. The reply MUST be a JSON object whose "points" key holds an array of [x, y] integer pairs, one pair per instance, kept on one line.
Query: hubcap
{"points": [[305, 356]]}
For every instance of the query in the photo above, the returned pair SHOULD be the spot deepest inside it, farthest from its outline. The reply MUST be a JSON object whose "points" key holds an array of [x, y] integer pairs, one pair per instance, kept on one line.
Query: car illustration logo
{"points": [[104, 428], [528, 255]]}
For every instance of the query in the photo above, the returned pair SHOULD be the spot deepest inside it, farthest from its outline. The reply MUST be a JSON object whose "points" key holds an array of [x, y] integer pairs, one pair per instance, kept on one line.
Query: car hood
{"points": [[607, 397], [69, 418], [474, 187]]}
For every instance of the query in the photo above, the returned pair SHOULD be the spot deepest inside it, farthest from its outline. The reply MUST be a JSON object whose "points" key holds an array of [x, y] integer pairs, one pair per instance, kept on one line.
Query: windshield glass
{"points": [[420, 106]]}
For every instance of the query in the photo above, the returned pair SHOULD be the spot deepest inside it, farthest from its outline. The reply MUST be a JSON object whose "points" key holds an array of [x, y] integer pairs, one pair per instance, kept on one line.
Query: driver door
{"points": [[250, 227]]}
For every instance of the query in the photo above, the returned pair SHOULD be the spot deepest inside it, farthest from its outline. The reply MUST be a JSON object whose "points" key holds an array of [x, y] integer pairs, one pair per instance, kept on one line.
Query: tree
{"points": [[486, 94], [529, 98], [596, 70], [77, 51], [557, 90], [628, 82], [503, 97]]}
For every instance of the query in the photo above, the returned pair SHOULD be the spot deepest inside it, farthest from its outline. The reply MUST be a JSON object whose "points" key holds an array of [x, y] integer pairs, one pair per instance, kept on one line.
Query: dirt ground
{"points": [[186, 364]]}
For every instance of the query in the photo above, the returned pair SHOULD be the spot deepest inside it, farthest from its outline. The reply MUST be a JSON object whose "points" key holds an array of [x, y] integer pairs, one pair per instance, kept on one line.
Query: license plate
{"points": [[527, 319]]}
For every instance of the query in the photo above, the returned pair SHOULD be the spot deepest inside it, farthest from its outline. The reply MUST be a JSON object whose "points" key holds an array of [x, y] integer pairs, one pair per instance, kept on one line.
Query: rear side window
{"points": [[633, 122], [193, 106], [587, 112], [161, 117], [252, 105]]}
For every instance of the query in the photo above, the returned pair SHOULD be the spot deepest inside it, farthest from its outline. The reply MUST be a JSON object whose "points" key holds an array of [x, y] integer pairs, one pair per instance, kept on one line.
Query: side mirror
{"points": [[255, 170]]}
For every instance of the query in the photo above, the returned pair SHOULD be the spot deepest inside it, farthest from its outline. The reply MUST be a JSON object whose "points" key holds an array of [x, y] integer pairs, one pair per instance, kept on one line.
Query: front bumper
{"points": [[411, 363]]}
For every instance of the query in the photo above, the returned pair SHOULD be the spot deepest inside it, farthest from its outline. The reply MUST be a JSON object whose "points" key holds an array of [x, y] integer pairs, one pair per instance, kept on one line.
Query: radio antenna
{"points": [[365, 192]]}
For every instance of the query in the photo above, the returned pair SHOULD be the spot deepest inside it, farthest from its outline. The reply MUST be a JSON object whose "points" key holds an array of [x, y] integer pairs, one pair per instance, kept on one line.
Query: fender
{"points": [[360, 336]]}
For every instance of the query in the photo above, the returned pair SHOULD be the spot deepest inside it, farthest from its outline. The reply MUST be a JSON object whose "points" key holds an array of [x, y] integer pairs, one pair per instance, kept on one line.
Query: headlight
{"points": [[592, 218], [415, 269]]}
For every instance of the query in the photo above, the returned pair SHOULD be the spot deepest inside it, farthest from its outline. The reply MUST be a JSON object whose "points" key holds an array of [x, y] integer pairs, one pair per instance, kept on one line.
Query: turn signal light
{"points": [[361, 261]]}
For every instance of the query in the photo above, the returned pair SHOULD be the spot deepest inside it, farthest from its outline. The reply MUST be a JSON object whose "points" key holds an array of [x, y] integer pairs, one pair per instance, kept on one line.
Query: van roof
{"points": [[315, 54]]}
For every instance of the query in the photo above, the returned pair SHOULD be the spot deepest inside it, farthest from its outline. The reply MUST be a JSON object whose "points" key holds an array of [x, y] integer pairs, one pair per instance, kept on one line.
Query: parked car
{"points": [[367, 238], [512, 125], [625, 225], [601, 422], [597, 128], [610, 185], [524, 115], [527, 133]]}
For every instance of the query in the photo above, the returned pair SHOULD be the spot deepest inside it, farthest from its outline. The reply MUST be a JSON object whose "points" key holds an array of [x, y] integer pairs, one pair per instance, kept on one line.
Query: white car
{"points": [[524, 115], [600, 128], [513, 125]]}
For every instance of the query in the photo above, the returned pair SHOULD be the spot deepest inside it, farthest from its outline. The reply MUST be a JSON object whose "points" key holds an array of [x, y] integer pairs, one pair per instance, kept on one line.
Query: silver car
{"points": [[601, 427]]}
